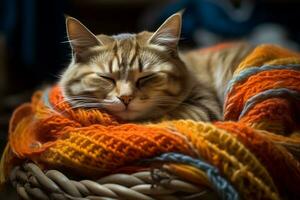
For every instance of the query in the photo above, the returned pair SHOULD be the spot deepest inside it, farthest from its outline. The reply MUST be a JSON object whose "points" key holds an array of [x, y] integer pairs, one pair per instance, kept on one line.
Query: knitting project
{"points": [[253, 154]]}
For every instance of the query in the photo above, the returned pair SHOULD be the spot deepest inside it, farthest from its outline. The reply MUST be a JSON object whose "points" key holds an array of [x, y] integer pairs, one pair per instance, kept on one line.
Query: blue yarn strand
{"points": [[267, 94], [244, 74], [224, 189]]}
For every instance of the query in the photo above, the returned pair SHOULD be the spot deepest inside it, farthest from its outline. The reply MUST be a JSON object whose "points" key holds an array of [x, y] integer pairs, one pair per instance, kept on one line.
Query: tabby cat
{"points": [[144, 77]]}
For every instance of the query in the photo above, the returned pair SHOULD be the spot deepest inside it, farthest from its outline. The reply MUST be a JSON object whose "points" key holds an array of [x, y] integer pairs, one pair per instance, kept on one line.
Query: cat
{"points": [[143, 76]]}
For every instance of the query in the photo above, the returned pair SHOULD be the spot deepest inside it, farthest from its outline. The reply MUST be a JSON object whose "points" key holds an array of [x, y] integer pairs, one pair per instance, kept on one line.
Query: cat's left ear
{"points": [[80, 37], [168, 34]]}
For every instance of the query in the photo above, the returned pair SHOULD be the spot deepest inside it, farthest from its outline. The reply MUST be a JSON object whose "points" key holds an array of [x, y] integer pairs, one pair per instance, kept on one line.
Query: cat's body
{"points": [[212, 68], [143, 77]]}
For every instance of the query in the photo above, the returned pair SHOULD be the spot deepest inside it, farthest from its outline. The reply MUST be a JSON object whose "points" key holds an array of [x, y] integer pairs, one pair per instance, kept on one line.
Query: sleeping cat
{"points": [[144, 77]]}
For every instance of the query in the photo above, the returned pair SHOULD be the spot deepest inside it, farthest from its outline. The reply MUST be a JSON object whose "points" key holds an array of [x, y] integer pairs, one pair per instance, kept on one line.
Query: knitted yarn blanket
{"points": [[256, 149]]}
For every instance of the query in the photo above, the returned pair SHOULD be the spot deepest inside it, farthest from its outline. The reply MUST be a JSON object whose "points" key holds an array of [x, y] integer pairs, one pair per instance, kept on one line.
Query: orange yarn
{"points": [[274, 114], [257, 83], [277, 114], [82, 116], [84, 139], [274, 157]]}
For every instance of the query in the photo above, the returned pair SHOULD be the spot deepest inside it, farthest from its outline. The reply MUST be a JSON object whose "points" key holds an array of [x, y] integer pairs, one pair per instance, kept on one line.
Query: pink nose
{"points": [[126, 99]]}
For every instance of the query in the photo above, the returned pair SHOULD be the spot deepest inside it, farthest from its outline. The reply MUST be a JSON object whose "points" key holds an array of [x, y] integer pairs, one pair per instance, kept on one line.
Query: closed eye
{"points": [[143, 80], [108, 78]]}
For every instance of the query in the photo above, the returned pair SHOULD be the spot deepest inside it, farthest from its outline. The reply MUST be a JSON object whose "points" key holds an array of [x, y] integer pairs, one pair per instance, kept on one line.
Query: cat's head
{"points": [[133, 76]]}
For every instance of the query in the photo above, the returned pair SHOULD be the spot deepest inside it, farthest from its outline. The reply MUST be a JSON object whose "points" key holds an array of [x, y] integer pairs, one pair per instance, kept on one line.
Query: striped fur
{"points": [[142, 76]]}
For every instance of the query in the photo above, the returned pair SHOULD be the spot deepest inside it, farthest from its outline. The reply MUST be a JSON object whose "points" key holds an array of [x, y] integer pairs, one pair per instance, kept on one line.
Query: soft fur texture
{"points": [[143, 77]]}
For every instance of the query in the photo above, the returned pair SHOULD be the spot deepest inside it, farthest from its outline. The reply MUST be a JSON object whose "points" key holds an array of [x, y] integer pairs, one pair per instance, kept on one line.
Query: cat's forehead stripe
{"points": [[110, 66], [129, 52], [140, 65], [126, 55], [115, 65], [133, 54]]}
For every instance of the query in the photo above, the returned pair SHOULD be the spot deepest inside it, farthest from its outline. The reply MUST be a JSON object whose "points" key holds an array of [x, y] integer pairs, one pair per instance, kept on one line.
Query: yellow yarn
{"points": [[223, 150], [268, 54], [190, 173]]}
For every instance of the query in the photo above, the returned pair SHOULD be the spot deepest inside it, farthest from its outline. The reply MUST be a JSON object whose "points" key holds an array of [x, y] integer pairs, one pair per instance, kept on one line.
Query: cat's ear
{"points": [[80, 37], [168, 34]]}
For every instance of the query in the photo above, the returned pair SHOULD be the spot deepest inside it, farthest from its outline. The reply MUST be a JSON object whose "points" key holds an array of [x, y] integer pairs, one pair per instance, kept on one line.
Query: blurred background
{"points": [[34, 51]]}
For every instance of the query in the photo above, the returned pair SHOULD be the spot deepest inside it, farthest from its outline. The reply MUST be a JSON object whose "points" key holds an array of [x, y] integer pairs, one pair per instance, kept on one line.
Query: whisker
{"points": [[86, 106]]}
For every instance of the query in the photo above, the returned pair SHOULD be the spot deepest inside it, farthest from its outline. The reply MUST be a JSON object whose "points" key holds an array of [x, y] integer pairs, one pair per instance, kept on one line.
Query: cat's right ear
{"points": [[80, 37]]}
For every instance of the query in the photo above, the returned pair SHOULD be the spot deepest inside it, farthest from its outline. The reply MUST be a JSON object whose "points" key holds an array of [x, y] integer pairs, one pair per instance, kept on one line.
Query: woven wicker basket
{"points": [[33, 183]]}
